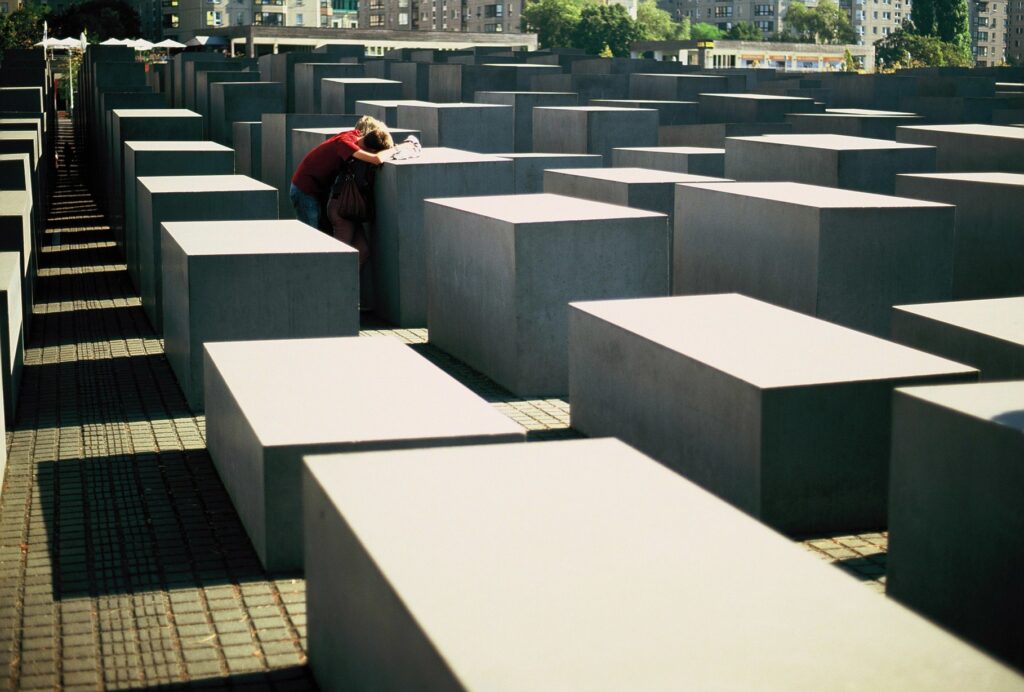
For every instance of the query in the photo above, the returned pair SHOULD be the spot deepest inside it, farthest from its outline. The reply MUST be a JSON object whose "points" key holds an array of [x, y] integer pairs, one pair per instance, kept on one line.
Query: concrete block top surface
{"points": [[15, 202], [261, 237], [998, 402], [541, 208], [522, 65], [636, 175], [761, 97], [674, 150], [531, 93], [155, 113], [584, 565], [975, 129], [360, 80], [983, 178], [435, 155], [833, 142], [1000, 318], [394, 103], [864, 112], [386, 390], [792, 349], [203, 183], [535, 155], [593, 109], [651, 101], [176, 146], [806, 195], [453, 106]]}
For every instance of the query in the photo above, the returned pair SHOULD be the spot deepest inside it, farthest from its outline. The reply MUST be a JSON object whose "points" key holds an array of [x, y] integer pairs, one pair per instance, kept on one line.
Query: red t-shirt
{"points": [[318, 170]]}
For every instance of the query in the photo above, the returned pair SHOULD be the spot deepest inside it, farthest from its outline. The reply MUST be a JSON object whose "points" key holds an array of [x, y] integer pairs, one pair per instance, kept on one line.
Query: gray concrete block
{"points": [[307, 82], [247, 139], [251, 280], [751, 108], [593, 129], [528, 168], [785, 416], [184, 75], [693, 160], [415, 555], [523, 103], [955, 526], [398, 255], [280, 67], [970, 147], [453, 83], [852, 122], [206, 79], [669, 112], [145, 159], [988, 255], [839, 255], [985, 334], [339, 96], [586, 86], [16, 236], [385, 111], [190, 198], [681, 87], [713, 135], [232, 102], [335, 395], [852, 163], [483, 128], [501, 271], [415, 79], [12, 334], [16, 173], [276, 151]]}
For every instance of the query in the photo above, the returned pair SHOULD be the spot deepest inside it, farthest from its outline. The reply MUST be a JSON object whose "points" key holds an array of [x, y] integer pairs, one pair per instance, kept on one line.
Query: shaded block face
{"points": [[247, 139], [640, 188], [593, 129], [232, 102], [143, 159], [797, 434], [970, 147], [12, 337], [692, 160], [851, 122], [205, 80], [307, 82], [414, 555], [985, 334], [843, 256], [454, 83], [190, 198], [501, 271], [339, 96], [415, 79], [483, 128], [399, 265], [335, 395], [713, 135], [852, 163], [988, 259], [751, 108], [16, 237], [955, 525], [529, 168], [384, 111], [250, 280], [669, 112], [523, 103], [681, 87]]}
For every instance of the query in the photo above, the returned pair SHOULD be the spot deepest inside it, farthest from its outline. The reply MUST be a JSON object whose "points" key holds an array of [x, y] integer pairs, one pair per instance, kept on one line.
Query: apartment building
{"points": [[873, 20], [766, 15], [479, 16], [989, 35], [183, 19], [1015, 32]]}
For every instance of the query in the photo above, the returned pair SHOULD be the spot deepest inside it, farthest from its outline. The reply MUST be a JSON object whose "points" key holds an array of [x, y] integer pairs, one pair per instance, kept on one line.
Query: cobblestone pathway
{"points": [[122, 562]]}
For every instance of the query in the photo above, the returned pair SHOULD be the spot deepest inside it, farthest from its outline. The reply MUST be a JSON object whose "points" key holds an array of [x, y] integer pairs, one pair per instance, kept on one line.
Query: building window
{"points": [[403, 18], [764, 11], [765, 26], [723, 11], [376, 20], [170, 21], [298, 20], [213, 18]]}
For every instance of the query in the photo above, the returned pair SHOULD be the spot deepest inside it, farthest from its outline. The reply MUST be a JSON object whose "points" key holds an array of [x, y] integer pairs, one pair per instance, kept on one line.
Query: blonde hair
{"points": [[367, 125]]}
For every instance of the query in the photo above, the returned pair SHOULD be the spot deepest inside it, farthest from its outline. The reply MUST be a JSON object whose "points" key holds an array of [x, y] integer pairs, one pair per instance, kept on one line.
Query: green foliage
{"points": [[744, 31], [102, 19], [902, 48], [849, 64], [826, 23], [656, 25], [23, 27], [946, 20], [602, 26], [702, 31], [553, 20]]}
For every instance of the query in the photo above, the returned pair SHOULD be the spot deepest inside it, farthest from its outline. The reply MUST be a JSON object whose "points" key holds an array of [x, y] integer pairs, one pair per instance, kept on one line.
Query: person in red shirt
{"points": [[370, 141]]}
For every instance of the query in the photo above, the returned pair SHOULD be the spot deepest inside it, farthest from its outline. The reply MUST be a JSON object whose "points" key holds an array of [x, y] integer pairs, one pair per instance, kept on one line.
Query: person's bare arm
{"points": [[377, 159]]}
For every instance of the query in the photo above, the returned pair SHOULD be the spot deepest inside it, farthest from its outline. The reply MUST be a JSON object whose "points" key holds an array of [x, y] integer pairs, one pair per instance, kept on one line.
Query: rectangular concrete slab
{"points": [[190, 198], [955, 527], [339, 95], [481, 127], [988, 255], [785, 416], [529, 167], [502, 269], [398, 257], [751, 108], [985, 334], [308, 77], [669, 112], [248, 280], [247, 140], [232, 102], [16, 236], [582, 564], [693, 160], [970, 147], [852, 163], [12, 334], [593, 129], [523, 103], [852, 122], [318, 396], [840, 255]]}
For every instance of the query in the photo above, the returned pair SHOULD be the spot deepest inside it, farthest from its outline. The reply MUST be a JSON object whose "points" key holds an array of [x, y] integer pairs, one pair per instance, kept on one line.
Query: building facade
{"points": [[475, 16], [989, 24], [1015, 32]]}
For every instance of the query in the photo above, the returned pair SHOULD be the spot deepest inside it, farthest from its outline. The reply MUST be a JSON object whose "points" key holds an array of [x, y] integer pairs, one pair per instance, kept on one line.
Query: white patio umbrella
{"points": [[49, 43], [71, 42], [168, 43], [141, 44], [114, 42]]}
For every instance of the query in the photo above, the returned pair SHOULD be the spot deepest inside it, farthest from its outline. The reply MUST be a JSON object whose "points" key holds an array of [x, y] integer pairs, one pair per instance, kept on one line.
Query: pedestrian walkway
{"points": [[122, 562]]}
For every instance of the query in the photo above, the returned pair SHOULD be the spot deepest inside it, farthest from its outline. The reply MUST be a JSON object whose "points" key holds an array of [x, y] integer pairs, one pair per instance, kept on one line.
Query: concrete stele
{"points": [[970, 147], [694, 160], [584, 565], [345, 394]]}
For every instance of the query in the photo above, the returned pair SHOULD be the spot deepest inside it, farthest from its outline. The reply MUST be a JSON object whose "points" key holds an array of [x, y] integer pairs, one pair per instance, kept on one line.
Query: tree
{"points": [[22, 28], [605, 25], [952, 24], [903, 48], [102, 19], [826, 23], [744, 31], [702, 31]]}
